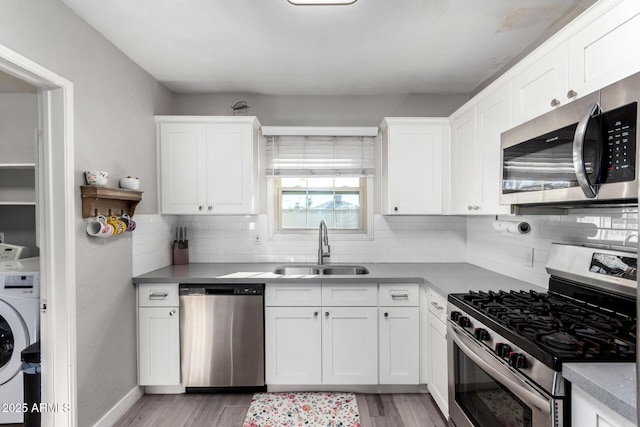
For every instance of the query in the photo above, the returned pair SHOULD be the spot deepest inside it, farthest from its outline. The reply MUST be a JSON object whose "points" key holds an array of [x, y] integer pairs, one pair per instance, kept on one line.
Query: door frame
{"points": [[55, 235]]}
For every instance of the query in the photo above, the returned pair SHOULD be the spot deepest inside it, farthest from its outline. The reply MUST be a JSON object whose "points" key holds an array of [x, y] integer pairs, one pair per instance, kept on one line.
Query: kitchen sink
{"points": [[345, 270], [324, 270], [297, 269]]}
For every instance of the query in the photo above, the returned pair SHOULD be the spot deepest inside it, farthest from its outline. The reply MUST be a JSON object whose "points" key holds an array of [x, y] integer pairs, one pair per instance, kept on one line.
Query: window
{"points": [[316, 178], [303, 202]]}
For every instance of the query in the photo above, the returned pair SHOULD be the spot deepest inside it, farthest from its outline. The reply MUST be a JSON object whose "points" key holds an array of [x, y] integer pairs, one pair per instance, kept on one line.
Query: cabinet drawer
{"points": [[292, 295], [158, 295], [350, 294], [437, 305], [398, 294]]}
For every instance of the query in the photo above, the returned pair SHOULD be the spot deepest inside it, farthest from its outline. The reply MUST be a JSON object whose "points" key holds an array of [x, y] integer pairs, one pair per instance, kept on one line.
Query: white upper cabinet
{"points": [[475, 154], [208, 165], [592, 52], [540, 87], [606, 50], [492, 118], [413, 154]]}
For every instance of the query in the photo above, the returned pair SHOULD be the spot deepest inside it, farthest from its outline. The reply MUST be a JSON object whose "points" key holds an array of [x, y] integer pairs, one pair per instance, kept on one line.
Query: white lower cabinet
{"points": [[399, 345], [158, 334], [586, 411], [293, 345], [349, 345], [437, 351]]}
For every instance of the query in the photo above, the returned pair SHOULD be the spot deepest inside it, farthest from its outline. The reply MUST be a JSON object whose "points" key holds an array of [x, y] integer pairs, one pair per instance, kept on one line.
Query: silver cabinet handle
{"points": [[555, 102], [158, 295], [172, 312], [579, 165], [572, 94], [475, 208], [210, 207], [469, 207], [200, 208], [438, 307], [399, 296], [326, 314], [315, 314]]}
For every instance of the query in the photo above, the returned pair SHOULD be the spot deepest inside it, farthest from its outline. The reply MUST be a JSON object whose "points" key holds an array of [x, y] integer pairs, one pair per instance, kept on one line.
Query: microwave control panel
{"points": [[619, 131]]}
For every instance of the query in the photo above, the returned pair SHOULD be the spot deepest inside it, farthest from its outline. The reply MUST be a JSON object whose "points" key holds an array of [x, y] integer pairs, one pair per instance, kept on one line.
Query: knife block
{"points": [[180, 255]]}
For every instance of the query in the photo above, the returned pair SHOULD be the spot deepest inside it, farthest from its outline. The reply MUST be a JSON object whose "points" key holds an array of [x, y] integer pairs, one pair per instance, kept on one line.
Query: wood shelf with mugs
{"points": [[108, 201]]}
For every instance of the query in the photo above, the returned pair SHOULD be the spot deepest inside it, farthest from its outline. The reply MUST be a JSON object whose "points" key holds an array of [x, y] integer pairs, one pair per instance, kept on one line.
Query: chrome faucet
{"points": [[323, 239]]}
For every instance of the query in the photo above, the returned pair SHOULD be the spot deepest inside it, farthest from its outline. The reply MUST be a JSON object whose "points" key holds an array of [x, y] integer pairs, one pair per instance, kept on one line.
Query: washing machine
{"points": [[19, 328]]}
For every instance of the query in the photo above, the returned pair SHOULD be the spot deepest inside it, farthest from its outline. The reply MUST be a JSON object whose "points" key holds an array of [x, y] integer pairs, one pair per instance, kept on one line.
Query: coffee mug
{"points": [[118, 225], [99, 227], [131, 224]]}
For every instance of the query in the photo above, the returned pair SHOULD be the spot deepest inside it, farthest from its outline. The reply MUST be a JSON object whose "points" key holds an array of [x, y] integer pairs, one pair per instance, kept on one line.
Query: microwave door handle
{"points": [[516, 388], [578, 151]]}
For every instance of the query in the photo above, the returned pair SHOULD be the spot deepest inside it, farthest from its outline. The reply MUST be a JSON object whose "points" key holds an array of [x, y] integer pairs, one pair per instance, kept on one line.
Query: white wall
{"points": [[344, 110], [114, 104], [505, 253]]}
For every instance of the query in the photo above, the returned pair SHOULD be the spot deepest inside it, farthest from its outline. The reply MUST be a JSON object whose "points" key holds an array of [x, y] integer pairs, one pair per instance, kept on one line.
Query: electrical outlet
{"points": [[1, 237], [257, 239], [528, 257]]}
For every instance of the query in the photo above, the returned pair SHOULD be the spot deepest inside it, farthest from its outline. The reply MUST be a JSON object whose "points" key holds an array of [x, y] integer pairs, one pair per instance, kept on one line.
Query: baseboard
{"points": [[120, 408], [374, 388]]}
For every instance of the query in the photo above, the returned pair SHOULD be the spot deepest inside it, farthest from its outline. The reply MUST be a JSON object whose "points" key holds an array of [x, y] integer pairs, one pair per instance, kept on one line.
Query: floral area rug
{"points": [[303, 410]]}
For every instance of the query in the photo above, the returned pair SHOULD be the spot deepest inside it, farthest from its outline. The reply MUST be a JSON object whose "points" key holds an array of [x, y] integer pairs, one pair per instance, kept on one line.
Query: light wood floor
{"points": [[229, 410]]}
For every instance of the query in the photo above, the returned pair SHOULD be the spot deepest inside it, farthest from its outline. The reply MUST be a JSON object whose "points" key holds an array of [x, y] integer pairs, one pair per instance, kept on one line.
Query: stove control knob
{"points": [[464, 322], [517, 360], [481, 334], [503, 350], [455, 315]]}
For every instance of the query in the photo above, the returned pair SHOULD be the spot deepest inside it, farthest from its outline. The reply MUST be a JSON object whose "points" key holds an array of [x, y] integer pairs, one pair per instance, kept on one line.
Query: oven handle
{"points": [[579, 167], [515, 387]]}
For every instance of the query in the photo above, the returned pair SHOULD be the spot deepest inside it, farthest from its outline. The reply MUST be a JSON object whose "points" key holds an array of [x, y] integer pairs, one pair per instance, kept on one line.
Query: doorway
{"points": [[55, 234]]}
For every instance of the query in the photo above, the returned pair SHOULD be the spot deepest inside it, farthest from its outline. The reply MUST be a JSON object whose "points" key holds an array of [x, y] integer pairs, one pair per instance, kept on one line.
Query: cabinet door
{"points": [[492, 118], [586, 411], [293, 346], [536, 88], [159, 346], [399, 345], [230, 169], [182, 168], [465, 162], [414, 158], [349, 345], [605, 51], [437, 344]]}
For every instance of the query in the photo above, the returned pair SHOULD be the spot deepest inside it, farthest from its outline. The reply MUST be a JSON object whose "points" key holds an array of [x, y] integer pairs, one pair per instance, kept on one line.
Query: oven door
{"points": [[485, 392]]}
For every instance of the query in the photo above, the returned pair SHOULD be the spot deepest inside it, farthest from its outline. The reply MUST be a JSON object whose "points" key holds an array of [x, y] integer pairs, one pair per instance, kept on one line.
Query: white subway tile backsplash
{"points": [[395, 239], [151, 242]]}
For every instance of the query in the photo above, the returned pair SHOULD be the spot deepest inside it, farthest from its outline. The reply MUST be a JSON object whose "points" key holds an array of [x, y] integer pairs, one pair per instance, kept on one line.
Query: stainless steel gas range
{"points": [[506, 349]]}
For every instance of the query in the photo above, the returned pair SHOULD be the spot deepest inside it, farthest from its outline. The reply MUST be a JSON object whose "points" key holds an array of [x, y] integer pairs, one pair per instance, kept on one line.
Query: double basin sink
{"points": [[322, 270]]}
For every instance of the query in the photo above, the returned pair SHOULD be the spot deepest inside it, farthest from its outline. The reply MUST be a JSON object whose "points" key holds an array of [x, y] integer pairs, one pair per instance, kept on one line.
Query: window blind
{"points": [[305, 156]]}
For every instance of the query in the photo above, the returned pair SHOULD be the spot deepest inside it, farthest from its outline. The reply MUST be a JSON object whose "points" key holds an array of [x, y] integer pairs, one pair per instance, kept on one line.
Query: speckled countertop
{"points": [[445, 278], [612, 384]]}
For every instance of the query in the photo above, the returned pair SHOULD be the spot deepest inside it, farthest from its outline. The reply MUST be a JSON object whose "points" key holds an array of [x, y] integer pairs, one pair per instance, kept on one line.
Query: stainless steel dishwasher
{"points": [[222, 336]]}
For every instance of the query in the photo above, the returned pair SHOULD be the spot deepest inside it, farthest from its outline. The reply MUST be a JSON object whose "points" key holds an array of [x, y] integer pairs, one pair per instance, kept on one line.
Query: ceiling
{"points": [[371, 47]]}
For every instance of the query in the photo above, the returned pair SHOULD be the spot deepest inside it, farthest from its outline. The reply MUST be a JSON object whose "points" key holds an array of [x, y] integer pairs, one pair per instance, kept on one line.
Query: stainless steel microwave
{"points": [[583, 153]]}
